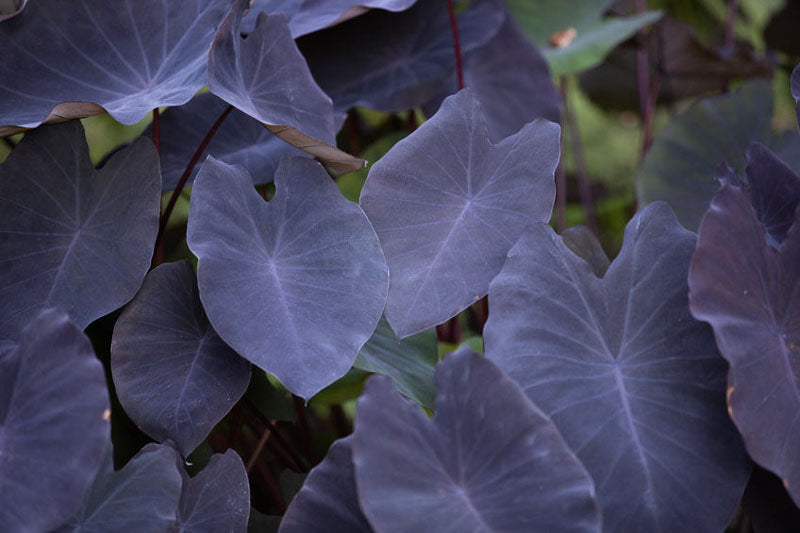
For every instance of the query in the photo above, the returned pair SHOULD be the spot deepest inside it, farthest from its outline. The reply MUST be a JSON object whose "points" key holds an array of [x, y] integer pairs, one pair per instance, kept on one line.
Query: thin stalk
{"points": [[584, 190], [456, 44], [185, 176], [257, 451], [278, 437], [157, 130]]}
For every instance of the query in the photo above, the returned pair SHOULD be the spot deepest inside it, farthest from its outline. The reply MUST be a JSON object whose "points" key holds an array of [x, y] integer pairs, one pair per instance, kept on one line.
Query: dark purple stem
{"points": [[456, 44], [157, 130]]}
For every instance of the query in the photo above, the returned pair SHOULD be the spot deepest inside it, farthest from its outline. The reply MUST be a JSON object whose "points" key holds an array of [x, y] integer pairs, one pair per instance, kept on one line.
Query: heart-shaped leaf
{"points": [[746, 284], [127, 57], [71, 236], [632, 381], [328, 502], [448, 205], [174, 376], [266, 77], [488, 461], [54, 427], [296, 285]]}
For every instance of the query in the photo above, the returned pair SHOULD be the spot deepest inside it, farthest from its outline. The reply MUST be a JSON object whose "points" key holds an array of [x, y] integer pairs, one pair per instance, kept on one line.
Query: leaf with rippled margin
{"points": [[67, 59], [266, 77], [448, 205], [173, 374], [53, 405], [488, 461], [296, 285], [746, 284], [328, 501], [71, 236], [632, 381]]}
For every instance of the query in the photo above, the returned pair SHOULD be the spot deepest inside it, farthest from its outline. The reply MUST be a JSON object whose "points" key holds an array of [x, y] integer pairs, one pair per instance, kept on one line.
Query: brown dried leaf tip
{"points": [[563, 38]]}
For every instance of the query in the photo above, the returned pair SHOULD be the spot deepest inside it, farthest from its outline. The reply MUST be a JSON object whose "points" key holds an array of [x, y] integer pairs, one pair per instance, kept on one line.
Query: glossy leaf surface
{"points": [[488, 461], [53, 423], [448, 205], [127, 57], [296, 285], [173, 374], [71, 236], [328, 501], [632, 381]]}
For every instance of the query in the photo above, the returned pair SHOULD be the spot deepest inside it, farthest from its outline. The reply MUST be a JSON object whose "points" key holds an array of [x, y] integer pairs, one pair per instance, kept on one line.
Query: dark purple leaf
{"points": [[488, 461], [775, 192], [128, 57], [306, 16], [749, 291], [174, 376], [328, 502], [448, 205], [296, 285], [54, 427], [71, 236], [632, 381], [142, 497], [217, 499], [266, 77]]}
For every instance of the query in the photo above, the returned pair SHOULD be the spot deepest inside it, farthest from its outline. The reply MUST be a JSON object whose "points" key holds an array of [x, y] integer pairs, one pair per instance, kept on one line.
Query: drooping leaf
{"points": [[448, 205], [10, 8], [328, 501], [632, 381], [266, 77], [774, 190], [594, 35], [217, 499], [296, 285], [173, 374], [71, 236], [488, 461], [679, 167], [143, 496], [307, 16], [53, 423], [126, 57], [747, 286], [409, 362], [395, 61]]}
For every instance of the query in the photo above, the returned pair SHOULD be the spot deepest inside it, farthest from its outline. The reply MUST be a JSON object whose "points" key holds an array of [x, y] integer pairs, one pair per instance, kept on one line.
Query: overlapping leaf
{"points": [[328, 501], [53, 424], [488, 461], [448, 205], [174, 376], [745, 281], [632, 381], [679, 167], [127, 57], [266, 77], [71, 236], [296, 285]]}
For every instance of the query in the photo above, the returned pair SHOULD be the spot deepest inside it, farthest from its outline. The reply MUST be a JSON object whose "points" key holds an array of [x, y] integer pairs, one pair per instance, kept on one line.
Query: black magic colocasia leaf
{"points": [[266, 77], [54, 413], [632, 381], [745, 281], [126, 56], [71, 236], [448, 204], [489, 460], [173, 374], [296, 285], [307, 16]]}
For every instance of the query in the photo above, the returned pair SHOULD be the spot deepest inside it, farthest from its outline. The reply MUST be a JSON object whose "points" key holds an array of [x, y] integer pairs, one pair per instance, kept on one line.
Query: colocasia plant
{"points": [[215, 317]]}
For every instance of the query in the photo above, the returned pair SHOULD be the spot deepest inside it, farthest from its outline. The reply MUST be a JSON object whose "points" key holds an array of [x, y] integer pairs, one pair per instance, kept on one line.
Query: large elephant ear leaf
{"points": [[296, 285], [71, 236], [173, 374], [266, 77], [632, 381], [746, 284], [488, 461], [448, 205], [53, 405], [328, 501], [70, 59]]}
